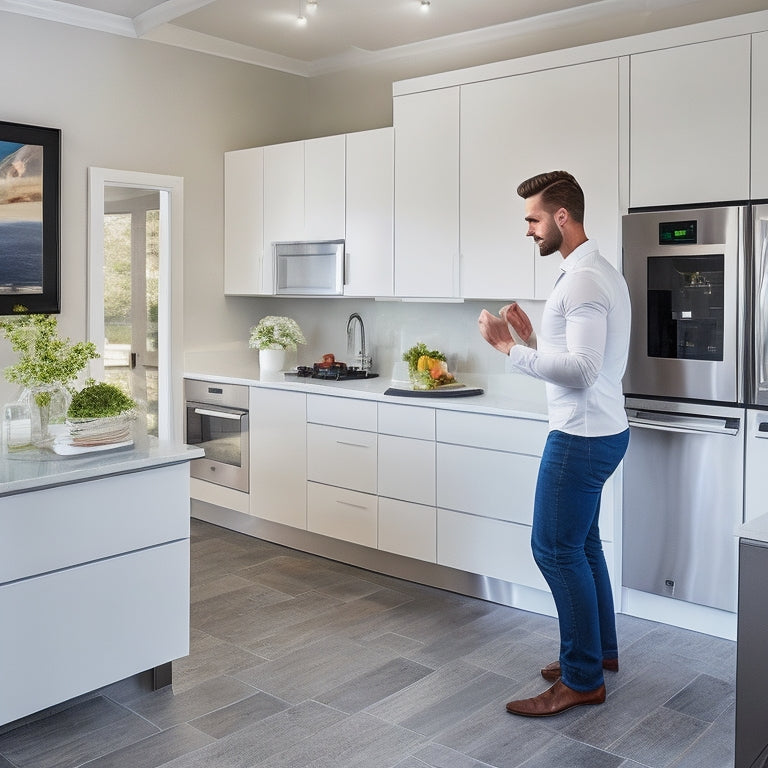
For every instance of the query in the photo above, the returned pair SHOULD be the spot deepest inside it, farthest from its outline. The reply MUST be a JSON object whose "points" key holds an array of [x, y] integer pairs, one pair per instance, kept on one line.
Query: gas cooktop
{"points": [[334, 372]]}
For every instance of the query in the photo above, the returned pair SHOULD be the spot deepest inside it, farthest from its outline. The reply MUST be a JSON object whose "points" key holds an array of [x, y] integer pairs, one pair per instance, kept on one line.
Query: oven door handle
{"points": [[687, 424], [220, 414]]}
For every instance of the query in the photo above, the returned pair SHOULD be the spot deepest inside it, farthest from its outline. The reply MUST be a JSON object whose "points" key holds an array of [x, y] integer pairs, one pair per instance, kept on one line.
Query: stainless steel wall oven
{"points": [[217, 421]]}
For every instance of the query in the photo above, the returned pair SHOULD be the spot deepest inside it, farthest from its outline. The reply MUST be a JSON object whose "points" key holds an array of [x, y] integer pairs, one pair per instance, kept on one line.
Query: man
{"points": [[581, 354]]}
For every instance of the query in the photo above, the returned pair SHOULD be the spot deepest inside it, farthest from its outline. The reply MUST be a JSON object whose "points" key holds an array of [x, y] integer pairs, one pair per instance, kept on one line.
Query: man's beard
{"points": [[550, 243]]}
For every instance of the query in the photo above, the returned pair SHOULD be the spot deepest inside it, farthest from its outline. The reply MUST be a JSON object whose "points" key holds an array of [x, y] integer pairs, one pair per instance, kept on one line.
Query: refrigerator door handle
{"points": [[687, 424]]}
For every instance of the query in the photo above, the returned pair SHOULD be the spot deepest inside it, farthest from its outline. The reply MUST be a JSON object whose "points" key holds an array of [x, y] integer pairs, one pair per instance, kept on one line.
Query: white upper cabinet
{"points": [[324, 188], [244, 221], [370, 213], [514, 128], [759, 116], [427, 193], [690, 124]]}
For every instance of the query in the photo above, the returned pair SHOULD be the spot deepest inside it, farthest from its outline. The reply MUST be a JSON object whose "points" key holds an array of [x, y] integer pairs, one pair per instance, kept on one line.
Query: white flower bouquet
{"points": [[273, 332]]}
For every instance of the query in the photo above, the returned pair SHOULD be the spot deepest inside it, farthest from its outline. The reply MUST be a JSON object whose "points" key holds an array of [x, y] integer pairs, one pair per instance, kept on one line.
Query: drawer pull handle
{"points": [[354, 445], [350, 504]]}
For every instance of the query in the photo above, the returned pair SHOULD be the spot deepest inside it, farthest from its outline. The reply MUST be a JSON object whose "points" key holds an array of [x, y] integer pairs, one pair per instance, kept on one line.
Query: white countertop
{"points": [[36, 469], [505, 394], [756, 529]]}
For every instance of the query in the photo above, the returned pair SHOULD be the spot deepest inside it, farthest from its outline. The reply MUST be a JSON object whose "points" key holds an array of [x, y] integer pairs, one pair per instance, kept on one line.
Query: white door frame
{"points": [[170, 289]]}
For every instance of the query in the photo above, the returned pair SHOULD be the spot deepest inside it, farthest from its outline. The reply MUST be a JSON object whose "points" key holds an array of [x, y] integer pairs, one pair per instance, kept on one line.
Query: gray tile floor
{"points": [[297, 662]]}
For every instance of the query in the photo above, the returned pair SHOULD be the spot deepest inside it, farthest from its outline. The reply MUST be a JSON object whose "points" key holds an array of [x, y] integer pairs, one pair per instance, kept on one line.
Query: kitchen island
{"points": [[94, 570]]}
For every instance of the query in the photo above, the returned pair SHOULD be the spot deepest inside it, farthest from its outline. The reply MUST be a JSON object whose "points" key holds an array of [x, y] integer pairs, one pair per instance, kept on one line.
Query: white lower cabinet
{"points": [[343, 457], [278, 446], [342, 514], [408, 529], [487, 547], [407, 469], [502, 485]]}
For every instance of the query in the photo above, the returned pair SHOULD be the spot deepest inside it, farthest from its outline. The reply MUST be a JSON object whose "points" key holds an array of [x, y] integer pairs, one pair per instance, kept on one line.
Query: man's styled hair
{"points": [[558, 190]]}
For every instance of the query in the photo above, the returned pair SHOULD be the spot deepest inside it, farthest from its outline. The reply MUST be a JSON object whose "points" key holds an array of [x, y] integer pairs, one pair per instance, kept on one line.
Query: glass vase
{"points": [[48, 412]]}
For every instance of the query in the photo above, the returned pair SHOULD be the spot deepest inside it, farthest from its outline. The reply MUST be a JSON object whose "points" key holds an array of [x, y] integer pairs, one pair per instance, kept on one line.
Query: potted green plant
{"points": [[47, 367], [100, 414], [272, 335]]}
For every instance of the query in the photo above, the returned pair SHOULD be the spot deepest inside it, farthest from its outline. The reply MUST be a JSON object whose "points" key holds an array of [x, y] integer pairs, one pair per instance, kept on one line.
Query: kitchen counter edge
{"points": [[530, 405]]}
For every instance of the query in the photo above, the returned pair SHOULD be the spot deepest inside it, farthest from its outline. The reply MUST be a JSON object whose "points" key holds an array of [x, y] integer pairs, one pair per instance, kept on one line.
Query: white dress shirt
{"points": [[581, 350]]}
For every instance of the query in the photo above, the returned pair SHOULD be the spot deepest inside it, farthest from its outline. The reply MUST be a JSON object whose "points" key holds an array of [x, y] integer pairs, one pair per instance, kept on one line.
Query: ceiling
{"points": [[343, 34]]}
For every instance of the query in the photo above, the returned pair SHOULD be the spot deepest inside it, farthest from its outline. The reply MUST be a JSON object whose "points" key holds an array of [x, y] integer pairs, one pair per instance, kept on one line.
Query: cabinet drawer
{"points": [[342, 514], [500, 433], [407, 421], [503, 485], [341, 412], [123, 513], [407, 469], [408, 529], [487, 547], [343, 457]]}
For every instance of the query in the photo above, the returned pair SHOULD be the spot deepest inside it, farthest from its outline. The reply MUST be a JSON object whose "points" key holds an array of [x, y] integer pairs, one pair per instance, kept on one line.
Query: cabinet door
{"points": [[324, 184], [370, 213], [503, 484], [408, 529], [407, 469], [278, 447], [690, 123], [759, 115], [243, 221], [427, 193], [501, 145], [283, 197]]}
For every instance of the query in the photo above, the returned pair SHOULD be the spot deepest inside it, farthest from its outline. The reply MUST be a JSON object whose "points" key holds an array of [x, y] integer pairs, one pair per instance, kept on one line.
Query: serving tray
{"points": [[451, 390]]}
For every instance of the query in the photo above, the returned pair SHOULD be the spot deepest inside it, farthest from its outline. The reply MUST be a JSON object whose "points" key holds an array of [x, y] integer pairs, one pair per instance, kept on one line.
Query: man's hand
{"points": [[495, 331], [519, 321]]}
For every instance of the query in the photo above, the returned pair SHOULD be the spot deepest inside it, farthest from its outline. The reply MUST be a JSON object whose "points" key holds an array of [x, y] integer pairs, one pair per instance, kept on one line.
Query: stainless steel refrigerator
{"points": [[697, 373]]}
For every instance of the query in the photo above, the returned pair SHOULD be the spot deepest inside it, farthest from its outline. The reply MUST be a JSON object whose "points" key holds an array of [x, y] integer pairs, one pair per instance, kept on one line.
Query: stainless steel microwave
{"points": [[309, 268]]}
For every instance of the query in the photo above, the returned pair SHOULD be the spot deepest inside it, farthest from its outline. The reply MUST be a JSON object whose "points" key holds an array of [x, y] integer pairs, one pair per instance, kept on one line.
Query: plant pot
{"points": [[271, 360]]}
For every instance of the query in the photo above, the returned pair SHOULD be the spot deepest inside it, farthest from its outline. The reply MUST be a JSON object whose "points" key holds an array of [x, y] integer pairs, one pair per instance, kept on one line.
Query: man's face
{"points": [[542, 226]]}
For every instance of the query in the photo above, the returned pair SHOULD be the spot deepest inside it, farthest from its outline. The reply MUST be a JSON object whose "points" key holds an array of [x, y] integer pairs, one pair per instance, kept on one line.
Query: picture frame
{"points": [[30, 219]]}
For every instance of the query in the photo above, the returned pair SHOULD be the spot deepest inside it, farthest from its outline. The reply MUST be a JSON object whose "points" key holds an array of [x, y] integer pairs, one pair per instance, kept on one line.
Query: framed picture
{"points": [[30, 159]]}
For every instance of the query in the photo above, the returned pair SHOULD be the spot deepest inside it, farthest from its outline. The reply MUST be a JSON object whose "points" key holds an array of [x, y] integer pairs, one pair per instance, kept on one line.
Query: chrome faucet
{"points": [[362, 355]]}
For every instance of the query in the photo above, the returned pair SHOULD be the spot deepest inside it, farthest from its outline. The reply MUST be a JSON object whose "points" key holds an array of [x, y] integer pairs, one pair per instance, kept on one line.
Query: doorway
{"points": [[135, 290]]}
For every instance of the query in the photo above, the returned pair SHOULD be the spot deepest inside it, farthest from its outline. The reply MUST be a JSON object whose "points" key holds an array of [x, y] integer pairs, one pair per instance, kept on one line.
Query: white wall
{"points": [[134, 105]]}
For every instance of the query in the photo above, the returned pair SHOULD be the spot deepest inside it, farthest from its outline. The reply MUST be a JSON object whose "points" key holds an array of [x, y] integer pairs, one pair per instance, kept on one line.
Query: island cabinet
{"points": [[94, 582], [690, 123], [427, 193], [484, 524], [278, 456], [406, 475], [341, 469], [759, 116]]}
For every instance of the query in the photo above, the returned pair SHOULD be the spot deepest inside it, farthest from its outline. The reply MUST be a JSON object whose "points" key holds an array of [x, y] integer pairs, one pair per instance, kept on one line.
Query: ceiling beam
{"points": [[164, 13]]}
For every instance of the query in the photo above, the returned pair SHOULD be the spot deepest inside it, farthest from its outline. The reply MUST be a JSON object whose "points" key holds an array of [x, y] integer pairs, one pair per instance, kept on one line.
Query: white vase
{"points": [[271, 360]]}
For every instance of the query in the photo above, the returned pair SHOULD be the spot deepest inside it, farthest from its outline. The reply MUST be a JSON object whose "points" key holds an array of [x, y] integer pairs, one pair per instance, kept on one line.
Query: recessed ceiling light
{"points": [[311, 5]]}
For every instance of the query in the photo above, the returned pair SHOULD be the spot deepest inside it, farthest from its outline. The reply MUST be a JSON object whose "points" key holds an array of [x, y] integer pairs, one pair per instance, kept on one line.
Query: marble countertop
{"points": [[37, 469], [504, 394]]}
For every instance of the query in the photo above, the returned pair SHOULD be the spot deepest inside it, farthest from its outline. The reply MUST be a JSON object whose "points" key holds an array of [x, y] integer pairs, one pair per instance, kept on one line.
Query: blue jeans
{"points": [[566, 546]]}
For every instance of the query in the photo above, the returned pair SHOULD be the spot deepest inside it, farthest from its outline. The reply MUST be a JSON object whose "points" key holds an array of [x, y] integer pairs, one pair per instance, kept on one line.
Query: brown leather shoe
{"points": [[552, 671], [555, 700]]}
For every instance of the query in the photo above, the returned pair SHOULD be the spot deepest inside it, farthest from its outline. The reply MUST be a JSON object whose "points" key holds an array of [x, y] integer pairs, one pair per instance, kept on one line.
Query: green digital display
{"points": [[677, 232]]}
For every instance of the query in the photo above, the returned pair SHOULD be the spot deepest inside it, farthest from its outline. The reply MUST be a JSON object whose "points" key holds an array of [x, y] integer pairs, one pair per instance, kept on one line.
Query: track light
{"points": [[425, 6]]}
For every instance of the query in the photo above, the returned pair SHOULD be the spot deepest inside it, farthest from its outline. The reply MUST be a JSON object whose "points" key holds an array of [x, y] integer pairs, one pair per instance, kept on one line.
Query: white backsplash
{"points": [[391, 327]]}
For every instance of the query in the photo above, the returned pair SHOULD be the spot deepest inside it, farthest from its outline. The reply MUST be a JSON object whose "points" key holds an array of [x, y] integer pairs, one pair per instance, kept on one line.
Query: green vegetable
{"points": [[45, 358], [97, 400], [412, 355]]}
